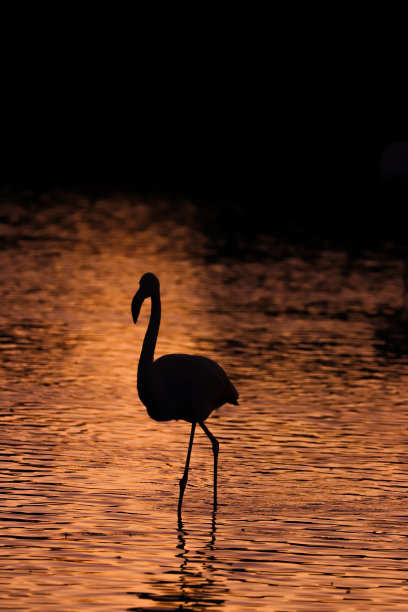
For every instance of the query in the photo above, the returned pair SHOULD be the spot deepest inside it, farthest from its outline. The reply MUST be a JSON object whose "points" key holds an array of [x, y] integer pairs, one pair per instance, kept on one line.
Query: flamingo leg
{"points": [[215, 446], [183, 480]]}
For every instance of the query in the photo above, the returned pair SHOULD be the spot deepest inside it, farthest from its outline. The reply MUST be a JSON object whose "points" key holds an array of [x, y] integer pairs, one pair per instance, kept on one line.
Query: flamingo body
{"points": [[187, 387]]}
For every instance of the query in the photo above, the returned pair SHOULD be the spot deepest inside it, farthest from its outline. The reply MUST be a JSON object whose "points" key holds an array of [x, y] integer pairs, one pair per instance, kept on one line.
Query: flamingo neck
{"points": [[149, 344]]}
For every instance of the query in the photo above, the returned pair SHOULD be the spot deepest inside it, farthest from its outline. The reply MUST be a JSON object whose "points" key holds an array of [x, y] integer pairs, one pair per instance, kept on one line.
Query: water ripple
{"points": [[313, 462]]}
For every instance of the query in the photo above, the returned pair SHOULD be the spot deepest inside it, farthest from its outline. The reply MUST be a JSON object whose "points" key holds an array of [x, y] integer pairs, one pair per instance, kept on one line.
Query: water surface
{"points": [[313, 462]]}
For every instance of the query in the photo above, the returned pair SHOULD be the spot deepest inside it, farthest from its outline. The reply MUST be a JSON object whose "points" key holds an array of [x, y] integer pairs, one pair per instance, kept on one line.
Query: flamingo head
{"points": [[148, 286]]}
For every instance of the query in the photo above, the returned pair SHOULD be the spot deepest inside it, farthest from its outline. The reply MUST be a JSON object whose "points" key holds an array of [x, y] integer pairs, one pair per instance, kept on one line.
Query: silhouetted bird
{"points": [[178, 386]]}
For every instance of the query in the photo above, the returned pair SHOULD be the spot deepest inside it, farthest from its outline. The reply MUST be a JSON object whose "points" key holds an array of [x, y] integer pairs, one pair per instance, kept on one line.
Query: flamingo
{"points": [[178, 386]]}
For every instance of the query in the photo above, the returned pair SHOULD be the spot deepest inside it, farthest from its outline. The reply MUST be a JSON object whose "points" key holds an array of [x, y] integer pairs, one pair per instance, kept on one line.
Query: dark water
{"points": [[313, 462]]}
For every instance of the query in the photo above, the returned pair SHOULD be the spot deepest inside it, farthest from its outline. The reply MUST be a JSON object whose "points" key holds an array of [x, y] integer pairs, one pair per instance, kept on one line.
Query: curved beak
{"points": [[137, 302]]}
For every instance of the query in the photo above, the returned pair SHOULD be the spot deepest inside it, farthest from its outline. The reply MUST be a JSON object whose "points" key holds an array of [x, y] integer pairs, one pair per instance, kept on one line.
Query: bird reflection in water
{"points": [[197, 579], [196, 584]]}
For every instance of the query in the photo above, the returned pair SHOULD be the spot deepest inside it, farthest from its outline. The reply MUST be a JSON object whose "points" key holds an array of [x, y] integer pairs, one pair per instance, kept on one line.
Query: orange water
{"points": [[313, 462]]}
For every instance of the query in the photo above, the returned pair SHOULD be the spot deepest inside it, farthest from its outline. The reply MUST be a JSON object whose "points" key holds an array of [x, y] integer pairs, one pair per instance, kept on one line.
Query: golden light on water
{"points": [[313, 464]]}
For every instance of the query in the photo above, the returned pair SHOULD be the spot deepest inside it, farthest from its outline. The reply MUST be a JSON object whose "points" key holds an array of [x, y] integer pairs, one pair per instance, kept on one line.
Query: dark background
{"points": [[281, 109]]}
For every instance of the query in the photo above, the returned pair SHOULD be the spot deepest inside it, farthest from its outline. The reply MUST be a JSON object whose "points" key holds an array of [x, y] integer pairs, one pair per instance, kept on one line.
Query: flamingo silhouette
{"points": [[178, 386]]}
